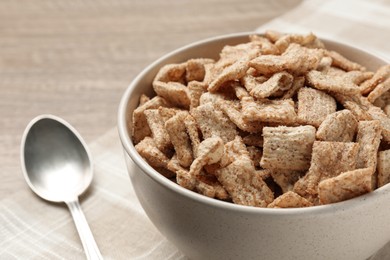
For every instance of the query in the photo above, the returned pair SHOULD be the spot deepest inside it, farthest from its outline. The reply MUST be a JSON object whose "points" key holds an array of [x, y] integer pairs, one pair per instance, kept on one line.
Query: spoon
{"points": [[56, 165]]}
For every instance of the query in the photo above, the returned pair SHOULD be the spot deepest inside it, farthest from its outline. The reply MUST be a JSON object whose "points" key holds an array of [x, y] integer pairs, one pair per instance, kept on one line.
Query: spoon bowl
{"points": [[57, 166]]}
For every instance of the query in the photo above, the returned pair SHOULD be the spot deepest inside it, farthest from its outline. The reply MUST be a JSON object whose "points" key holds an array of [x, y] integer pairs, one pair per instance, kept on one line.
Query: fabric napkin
{"points": [[39, 230]]}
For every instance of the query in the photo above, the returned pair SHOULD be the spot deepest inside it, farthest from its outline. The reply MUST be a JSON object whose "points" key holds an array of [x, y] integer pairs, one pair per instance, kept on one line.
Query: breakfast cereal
{"points": [[279, 122]]}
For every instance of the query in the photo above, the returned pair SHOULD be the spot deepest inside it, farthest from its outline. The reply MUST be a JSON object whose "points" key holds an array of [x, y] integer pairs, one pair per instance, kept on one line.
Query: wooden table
{"points": [[74, 59]]}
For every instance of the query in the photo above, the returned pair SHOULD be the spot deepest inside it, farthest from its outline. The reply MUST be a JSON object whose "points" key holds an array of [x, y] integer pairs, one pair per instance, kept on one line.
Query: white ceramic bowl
{"points": [[204, 228]]}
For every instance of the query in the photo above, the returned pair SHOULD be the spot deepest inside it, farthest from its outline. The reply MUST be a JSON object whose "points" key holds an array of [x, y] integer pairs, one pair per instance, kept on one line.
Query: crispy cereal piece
{"points": [[296, 59], [386, 109], [340, 61], [233, 111], [234, 72], [357, 76], [290, 199], [308, 40], [354, 104], [195, 90], [287, 148], [368, 137], [149, 151], [279, 81], [285, 178], [171, 73], [143, 99], [338, 127], [193, 134], [377, 114], [272, 35], [345, 186], [383, 100], [314, 106], [328, 160], [380, 75], [140, 127], [325, 64], [379, 90], [159, 133], [297, 84], [174, 92], [176, 129], [271, 111], [195, 69], [210, 151], [208, 97], [209, 186], [339, 84], [250, 82], [205, 184], [383, 168], [236, 52], [233, 150], [245, 187], [266, 46], [240, 91], [212, 122]]}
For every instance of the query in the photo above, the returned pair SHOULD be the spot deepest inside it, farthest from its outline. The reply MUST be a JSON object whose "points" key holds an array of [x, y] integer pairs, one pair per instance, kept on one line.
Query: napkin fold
{"points": [[35, 229]]}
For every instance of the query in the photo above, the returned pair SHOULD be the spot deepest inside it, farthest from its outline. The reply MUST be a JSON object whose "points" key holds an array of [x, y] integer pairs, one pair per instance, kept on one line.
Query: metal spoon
{"points": [[57, 167]]}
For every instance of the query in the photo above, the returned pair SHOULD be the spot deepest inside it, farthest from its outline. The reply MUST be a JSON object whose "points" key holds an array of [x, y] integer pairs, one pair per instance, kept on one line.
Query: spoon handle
{"points": [[91, 249]]}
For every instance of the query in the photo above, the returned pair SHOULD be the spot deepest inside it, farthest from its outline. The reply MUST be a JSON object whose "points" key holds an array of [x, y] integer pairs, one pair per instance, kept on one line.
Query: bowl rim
{"points": [[129, 148]]}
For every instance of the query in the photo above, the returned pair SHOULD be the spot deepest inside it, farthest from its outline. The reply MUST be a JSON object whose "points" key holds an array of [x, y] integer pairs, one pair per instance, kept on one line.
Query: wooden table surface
{"points": [[74, 59]]}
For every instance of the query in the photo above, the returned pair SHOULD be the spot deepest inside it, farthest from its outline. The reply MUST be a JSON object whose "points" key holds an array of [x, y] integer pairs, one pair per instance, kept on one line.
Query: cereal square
{"points": [[338, 127], [287, 148], [314, 106]]}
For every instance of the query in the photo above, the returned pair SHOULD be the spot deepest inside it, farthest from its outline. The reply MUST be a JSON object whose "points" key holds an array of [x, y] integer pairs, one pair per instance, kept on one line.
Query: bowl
{"points": [[205, 228]]}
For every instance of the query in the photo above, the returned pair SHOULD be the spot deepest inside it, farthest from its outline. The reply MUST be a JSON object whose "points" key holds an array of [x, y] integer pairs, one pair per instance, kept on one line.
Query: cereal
{"points": [[209, 151], [297, 84], [329, 159], [236, 71], [148, 150], [279, 81], [176, 129], [296, 59], [171, 73], [381, 75], [174, 92], [143, 99], [339, 84], [343, 63], [159, 133], [345, 186], [339, 126], [195, 70], [287, 148], [278, 122], [368, 138], [290, 199], [140, 126], [285, 178], [233, 111], [195, 91], [239, 177], [212, 122], [383, 167], [308, 100], [269, 111], [377, 114], [379, 90]]}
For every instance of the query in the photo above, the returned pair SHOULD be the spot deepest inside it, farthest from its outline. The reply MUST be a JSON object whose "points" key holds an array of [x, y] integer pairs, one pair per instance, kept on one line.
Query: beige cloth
{"points": [[41, 230]]}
